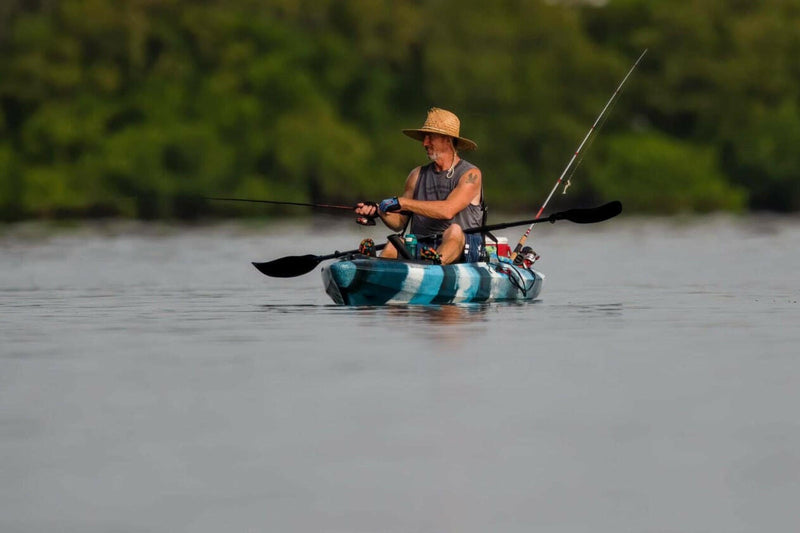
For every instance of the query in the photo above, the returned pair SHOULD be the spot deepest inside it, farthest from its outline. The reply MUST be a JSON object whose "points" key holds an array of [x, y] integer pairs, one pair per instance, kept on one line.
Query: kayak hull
{"points": [[372, 281]]}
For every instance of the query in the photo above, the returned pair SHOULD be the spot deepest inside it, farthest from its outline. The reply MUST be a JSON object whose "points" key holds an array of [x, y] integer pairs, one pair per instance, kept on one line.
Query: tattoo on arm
{"points": [[472, 177]]}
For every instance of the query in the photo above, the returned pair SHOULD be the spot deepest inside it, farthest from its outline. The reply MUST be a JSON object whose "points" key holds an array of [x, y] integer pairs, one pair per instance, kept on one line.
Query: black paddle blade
{"points": [[590, 216], [289, 267]]}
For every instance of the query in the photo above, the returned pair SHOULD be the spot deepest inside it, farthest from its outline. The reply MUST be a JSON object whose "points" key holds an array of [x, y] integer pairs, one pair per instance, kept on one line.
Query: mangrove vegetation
{"points": [[139, 108]]}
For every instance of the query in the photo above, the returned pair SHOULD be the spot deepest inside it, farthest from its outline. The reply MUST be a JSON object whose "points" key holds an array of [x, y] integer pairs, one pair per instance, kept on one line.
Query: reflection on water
{"points": [[440, 314], [609, 309], [448, 327], [445, 325], [422, 314]]}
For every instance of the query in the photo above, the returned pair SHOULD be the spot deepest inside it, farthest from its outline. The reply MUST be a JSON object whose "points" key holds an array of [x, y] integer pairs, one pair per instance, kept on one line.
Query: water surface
{"points": [[152, 380]]}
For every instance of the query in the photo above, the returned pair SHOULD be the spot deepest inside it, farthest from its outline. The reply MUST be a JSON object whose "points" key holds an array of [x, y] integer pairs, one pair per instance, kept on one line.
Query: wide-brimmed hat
{"points": [[445, 123]]}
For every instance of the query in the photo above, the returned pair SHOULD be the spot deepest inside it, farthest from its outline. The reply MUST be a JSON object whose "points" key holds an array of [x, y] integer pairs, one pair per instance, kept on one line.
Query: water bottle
{"points": [[411, 244]]}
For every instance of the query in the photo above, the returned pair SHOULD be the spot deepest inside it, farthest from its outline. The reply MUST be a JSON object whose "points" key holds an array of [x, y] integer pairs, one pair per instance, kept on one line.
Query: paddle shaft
{"points": [[334, 255], [294, 265], [521, 243]]}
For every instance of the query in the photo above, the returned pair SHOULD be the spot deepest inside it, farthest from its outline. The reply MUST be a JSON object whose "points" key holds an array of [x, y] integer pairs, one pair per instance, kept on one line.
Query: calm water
{"points": [[152, 380]]}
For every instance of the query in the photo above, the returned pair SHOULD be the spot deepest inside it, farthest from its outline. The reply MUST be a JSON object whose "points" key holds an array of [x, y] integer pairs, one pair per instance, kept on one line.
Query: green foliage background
{"points": [[140, 107]]}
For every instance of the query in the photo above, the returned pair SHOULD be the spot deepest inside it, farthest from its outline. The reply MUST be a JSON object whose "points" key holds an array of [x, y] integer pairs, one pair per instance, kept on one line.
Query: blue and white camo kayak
{"points": [[361, 280]]}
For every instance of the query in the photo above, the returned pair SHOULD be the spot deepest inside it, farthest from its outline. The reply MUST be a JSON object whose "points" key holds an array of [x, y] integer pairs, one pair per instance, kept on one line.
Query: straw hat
{"points": [[445, 123]]}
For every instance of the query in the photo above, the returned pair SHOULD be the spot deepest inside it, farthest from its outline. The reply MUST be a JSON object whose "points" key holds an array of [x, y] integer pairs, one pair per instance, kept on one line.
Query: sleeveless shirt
{"points": [[433, 185]]}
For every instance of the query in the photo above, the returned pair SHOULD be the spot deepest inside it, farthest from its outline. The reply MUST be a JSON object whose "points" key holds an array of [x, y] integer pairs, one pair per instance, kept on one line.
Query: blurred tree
{"points": [[657, 174], [762, 156], [716, 72], [134, 107]]}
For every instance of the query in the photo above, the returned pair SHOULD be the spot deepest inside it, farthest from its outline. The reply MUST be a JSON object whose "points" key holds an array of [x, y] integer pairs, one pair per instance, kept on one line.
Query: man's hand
{"points": [[368, 212], [367, 209], [390, 205]]}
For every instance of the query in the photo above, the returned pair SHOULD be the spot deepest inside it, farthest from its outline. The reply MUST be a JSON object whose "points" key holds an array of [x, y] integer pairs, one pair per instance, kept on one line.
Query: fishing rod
{"points": [[521, 243], [364, 220]]}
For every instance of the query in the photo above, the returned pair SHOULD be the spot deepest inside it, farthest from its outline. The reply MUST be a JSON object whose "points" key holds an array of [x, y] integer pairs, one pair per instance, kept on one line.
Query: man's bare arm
{"points": [[466, 192]]}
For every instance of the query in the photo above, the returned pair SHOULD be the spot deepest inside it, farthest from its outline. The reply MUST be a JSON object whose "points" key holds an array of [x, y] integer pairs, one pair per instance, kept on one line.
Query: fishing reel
{"points": [[526, 257]]}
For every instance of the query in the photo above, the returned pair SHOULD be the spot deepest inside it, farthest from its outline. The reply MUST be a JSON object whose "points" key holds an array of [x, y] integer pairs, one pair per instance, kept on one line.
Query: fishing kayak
{"points": [[362, 280], [357, 279]]}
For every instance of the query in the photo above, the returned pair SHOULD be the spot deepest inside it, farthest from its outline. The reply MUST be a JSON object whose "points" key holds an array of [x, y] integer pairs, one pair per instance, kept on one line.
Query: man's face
{"points": [[435, 145]]}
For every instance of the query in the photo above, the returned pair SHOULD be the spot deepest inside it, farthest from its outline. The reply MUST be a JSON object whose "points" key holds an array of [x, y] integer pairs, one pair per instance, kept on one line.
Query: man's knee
{"points": [[452, 245], [389, 251], [454, 231], [454, 234]]}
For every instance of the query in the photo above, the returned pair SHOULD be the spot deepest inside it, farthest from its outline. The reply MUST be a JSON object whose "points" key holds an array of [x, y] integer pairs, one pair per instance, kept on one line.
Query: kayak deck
{"points": [[361, 280]]}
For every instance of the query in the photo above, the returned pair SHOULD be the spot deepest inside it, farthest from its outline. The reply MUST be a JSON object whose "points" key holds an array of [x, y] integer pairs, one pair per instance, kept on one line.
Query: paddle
{"points": [[589, 215], [296, 265]]}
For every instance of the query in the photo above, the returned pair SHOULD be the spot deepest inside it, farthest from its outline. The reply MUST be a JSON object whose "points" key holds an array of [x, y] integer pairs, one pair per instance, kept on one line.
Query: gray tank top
{"points": [[432, 185]]}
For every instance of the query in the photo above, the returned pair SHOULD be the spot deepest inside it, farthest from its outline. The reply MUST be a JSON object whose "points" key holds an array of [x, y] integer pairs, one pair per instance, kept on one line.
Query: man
{"points": [[442, 198]]}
